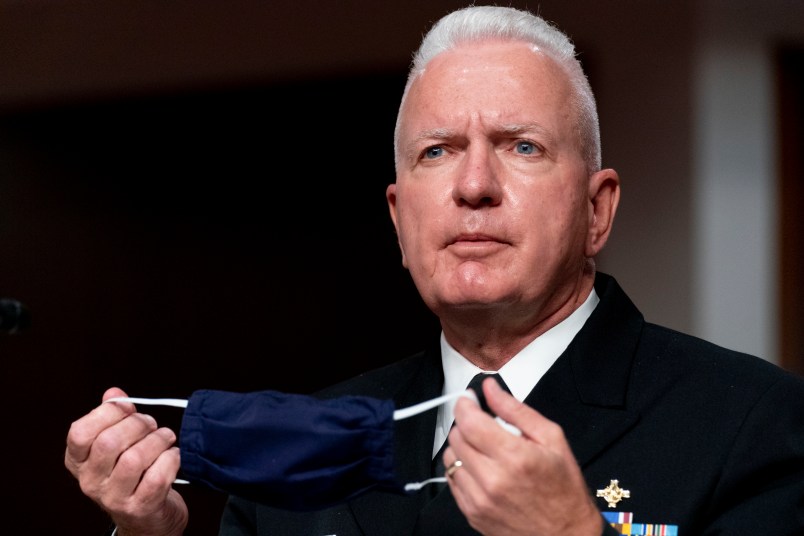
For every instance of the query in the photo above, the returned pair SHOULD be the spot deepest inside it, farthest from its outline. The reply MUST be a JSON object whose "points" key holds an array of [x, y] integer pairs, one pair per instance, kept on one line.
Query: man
{"points": [[501, 205]]}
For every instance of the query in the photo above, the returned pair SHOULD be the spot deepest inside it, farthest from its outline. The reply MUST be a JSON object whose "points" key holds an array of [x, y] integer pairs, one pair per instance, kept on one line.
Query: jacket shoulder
{"points": [[379, 382]]}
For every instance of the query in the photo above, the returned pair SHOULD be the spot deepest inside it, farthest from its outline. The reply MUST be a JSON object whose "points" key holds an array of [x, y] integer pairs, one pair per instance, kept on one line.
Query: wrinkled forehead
{"points": [[503, 80]]}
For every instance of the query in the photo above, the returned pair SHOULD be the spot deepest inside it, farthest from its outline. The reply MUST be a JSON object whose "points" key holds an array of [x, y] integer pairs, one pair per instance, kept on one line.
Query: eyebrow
{"points": [[432, 133], [429, 134], [507, 129], [524, 128]]}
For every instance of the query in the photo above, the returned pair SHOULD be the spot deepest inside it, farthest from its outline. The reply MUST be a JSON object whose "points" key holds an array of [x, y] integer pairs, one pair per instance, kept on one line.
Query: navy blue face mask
{"points": [[291, 451]]}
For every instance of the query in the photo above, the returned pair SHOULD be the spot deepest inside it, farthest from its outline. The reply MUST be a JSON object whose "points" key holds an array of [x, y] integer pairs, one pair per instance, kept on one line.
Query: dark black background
{"points": [[232, 239], [192, 196]]}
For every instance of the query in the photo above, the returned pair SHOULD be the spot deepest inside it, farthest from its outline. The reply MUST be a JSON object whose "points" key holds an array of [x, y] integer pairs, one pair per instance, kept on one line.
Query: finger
{"points": [[115, 392], [157, 482], [530, 422], [162, 473], [451, 462], [475, 445], [480, 429], [84, 431], [112, 442], [152, 499], [149, 466], [464, 482]]}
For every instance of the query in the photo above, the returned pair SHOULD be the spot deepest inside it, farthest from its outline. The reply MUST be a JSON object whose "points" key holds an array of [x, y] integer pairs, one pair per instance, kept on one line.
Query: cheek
{"points": [[418, 242], [409, 233], [554, 216], [413, 217]]}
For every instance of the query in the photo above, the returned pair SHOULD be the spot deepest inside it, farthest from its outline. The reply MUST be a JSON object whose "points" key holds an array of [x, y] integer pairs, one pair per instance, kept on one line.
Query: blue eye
{"points": [[525, 147], [433, 152]]}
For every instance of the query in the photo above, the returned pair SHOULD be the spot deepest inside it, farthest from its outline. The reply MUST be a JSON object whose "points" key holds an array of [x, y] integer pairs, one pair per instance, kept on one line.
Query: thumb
{"points": [[113, 392], [527, 420]]}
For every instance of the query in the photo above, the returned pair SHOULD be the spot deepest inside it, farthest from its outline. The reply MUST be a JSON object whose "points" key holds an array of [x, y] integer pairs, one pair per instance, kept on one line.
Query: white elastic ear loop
{"points": [[421, 407], [175, 402], [404, 413]]}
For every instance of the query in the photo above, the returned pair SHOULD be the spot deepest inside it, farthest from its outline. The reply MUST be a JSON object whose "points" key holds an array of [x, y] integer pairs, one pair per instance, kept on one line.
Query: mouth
{"points": [[476, 245], [475, 238]]}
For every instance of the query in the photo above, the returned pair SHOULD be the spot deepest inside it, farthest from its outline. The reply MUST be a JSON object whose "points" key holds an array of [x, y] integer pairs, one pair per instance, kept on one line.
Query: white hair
{"points": [[476, 23]]}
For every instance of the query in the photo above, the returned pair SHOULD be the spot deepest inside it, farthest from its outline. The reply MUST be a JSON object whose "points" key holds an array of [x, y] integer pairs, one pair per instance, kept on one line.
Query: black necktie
{"points": [[475, 385]]}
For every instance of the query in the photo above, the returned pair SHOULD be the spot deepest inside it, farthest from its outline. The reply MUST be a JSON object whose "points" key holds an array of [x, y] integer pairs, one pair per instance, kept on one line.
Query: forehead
{"points": [[490, 80]]}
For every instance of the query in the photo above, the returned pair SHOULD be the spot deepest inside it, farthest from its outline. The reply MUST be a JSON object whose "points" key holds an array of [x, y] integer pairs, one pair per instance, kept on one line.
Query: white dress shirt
{"points": [[521, 373]]}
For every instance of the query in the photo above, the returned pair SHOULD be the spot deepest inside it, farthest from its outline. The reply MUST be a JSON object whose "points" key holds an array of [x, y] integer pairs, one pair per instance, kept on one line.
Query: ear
{"points": [[390, 196], [604, 196]]}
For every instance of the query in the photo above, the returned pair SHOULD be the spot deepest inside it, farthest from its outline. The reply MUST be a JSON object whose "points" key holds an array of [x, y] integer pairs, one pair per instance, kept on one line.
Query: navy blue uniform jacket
{"points": [[704, 438]]}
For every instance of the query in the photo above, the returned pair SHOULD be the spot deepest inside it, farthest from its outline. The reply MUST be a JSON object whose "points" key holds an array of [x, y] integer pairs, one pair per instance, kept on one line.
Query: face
{"points": [[492, 203]]}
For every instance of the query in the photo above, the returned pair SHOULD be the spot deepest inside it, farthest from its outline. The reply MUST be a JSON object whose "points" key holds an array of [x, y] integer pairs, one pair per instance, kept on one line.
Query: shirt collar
{"points": [[521, 373]]}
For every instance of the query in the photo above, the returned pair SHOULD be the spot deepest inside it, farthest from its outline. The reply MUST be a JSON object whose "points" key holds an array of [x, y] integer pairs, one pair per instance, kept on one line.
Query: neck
{"points": [[490, 337]]}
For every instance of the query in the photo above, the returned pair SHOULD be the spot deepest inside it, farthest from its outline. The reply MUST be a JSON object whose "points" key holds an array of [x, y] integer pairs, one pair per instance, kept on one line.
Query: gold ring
{"points": [[457, 464]]}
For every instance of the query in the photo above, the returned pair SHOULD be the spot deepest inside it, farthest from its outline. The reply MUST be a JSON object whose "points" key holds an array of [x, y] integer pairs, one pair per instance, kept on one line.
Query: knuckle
{"points": [[484, 503], [89, 488], [106, 443], [78, 436], [130, 461], [495, 488]]}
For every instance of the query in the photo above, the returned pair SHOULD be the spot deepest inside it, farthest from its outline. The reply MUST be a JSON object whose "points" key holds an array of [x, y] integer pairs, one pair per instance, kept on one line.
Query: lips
{"points": [[475, 237], [476, 245]]}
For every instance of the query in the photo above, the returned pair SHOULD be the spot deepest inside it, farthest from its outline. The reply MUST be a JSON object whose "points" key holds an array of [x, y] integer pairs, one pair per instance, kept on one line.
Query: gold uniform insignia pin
{"points": [[613, 493]]}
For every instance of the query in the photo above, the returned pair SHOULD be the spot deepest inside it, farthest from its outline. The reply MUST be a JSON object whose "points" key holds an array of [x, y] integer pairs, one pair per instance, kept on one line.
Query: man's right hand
{"points": [[127, 464]]}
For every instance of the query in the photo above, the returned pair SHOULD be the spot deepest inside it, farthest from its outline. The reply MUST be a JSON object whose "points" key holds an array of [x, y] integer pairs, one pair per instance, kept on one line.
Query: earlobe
{"points": [[604, 197]]}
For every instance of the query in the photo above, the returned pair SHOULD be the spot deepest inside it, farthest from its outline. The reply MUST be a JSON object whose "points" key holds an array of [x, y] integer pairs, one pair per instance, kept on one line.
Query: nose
{"points": [[478, 183]]}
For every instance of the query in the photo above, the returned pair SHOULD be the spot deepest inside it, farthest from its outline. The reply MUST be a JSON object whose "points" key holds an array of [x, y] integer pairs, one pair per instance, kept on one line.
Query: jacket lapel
{"points": [[585, 390]]}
